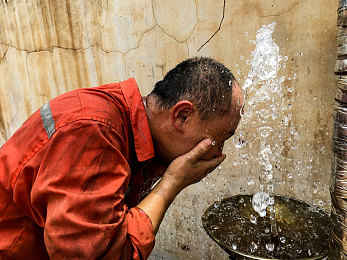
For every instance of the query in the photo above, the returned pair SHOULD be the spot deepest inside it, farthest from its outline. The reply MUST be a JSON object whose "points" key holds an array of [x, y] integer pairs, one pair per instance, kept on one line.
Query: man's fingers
{"points": [[213, 163], [200, 149]]}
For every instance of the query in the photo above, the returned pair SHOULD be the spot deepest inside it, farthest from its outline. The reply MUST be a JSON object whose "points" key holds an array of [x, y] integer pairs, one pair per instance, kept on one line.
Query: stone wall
{"points": [[49, 47]]}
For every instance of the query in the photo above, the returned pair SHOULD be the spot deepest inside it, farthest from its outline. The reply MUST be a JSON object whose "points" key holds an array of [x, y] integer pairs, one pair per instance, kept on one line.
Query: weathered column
{"points": [[338, 185]]}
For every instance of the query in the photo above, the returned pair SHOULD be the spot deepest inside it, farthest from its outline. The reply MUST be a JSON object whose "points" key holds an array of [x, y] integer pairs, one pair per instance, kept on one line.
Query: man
{"points": [[71, 177]]}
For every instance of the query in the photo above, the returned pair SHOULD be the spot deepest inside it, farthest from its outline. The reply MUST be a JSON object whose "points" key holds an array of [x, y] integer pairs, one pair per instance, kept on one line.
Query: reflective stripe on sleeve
{"points": [[47, 119]]}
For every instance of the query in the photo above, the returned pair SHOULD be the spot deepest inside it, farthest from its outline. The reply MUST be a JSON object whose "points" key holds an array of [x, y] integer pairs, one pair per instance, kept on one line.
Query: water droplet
{"points": [[240, 143], [253, 219], [250, 182], [253, 247], [283, 239], [270, 247], [269, 176], [216, 204], [215, 227], [213, 143], [234, 246]]}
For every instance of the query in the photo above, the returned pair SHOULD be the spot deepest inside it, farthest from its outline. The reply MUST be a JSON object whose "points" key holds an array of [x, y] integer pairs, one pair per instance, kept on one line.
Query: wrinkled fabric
{"points": [[73, 195]]}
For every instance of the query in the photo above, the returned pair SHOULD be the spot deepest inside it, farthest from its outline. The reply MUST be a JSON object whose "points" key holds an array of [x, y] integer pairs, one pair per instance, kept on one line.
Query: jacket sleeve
{"points": [[82, 181]]}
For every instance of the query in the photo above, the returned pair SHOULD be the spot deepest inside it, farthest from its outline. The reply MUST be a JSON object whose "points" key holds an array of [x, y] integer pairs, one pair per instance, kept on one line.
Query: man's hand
{"points": [[190, 168], [182, 172]]}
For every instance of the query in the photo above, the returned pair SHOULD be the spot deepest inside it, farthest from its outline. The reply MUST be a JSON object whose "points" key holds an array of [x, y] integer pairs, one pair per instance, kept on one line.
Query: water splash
{"points": [[265, 65], [260, 202], [266, 111], [263, 87]]}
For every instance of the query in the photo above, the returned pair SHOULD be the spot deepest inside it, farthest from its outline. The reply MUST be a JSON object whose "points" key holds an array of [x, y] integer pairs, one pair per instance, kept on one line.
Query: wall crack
{"points": [[285, 12], [138, 43], [3, 57], [220, 25], [58, 47], [172, 37], [4, 54], [27, 70]]}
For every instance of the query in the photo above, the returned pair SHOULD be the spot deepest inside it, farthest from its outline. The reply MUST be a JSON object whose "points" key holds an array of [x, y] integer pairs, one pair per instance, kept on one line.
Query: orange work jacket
{"points": [[70, 178]]}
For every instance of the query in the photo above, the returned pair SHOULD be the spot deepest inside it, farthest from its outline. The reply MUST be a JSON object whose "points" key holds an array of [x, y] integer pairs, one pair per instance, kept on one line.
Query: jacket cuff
{"points": [[141, 233]]}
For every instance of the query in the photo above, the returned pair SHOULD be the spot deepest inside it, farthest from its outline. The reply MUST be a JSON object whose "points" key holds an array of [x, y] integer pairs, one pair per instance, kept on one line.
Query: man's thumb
{"points": [[201, 148]]}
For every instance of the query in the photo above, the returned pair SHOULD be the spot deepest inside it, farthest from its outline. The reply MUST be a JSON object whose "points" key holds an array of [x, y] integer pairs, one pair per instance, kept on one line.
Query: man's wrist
{"points": [[167, 188]]}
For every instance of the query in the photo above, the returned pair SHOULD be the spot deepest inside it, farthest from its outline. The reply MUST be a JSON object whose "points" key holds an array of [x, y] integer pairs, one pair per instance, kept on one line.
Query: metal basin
{"points": [[303, 229]]}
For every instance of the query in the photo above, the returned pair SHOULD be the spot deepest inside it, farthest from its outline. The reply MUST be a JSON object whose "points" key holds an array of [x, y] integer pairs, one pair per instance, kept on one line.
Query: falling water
{"points": [[263, 92]]}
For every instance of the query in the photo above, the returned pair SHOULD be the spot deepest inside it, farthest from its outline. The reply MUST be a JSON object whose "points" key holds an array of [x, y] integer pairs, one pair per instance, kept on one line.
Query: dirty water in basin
{"points": [[303, 229]]}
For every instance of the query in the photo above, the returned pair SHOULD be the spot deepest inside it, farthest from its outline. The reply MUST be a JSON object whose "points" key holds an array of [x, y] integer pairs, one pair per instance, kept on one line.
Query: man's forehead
{"points": [[225, 125]]}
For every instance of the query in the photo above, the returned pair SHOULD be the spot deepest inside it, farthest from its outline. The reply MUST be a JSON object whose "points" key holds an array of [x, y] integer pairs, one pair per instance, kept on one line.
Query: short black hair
{"points": [[201, 80]]}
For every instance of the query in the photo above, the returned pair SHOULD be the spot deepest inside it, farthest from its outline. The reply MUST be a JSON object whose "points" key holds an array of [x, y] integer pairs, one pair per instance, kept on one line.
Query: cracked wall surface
{"points": [[49, 47]]}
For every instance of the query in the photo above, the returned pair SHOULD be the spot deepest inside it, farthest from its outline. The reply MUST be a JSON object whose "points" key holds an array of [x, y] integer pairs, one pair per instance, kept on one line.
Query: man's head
{"points": [[198, 98]]}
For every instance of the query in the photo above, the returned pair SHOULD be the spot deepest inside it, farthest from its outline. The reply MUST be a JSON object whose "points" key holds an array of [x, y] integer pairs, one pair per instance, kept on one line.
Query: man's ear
{"points": [[180, 114]]}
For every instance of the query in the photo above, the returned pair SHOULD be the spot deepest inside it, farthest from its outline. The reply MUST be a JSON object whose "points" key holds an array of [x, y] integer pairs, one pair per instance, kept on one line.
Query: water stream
{"points": [[264, 99]]}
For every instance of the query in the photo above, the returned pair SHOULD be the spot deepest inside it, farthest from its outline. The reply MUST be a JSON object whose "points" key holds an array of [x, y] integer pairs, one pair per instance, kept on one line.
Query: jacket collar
{"points": [[138, 118]]}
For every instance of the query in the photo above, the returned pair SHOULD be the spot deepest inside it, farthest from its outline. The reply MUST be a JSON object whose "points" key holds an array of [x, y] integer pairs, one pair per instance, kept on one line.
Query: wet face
{"points": [[219, 129]]}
